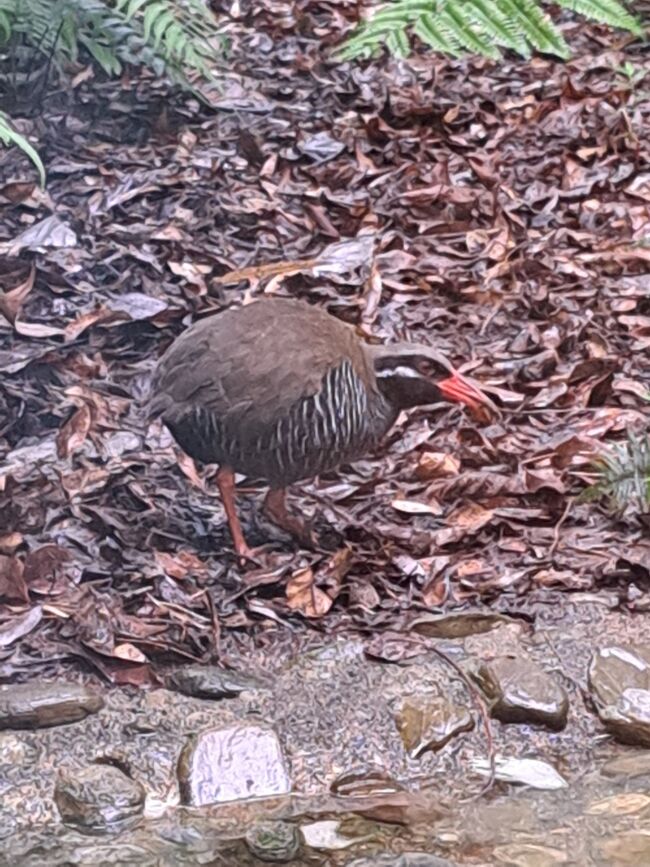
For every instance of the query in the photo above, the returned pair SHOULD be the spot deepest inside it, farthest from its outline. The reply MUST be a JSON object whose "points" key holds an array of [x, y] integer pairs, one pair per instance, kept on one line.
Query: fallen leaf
{"points": [[73, 433], [12, 581], [304, 596]]}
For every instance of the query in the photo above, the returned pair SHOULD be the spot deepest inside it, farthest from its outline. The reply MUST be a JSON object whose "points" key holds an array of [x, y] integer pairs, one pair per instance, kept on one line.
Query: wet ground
{"points": [[339, 778]]}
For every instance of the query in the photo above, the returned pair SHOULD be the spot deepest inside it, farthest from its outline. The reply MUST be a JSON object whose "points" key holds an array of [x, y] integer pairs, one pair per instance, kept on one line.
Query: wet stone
{"points": [[39, 705], [626, 849], [519, 691], [406, 859], [636, 764], [209, 681], [619, 681], [98, 796], [459, 624], [629, 719], [363, 782], [277, 842], [428, 723], [530, 855], [242, 761]]}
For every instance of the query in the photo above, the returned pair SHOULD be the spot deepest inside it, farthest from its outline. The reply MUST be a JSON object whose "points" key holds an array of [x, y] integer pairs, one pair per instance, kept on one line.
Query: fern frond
{"points": [[11, 137], [177, 37], [605, 12], [478, 26], [624, 475]]}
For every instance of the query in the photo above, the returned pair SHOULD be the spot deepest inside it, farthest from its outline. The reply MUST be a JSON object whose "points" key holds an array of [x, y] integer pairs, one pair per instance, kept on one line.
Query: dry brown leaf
{"points": [[304, 596], [436, 465], [73, 433]]}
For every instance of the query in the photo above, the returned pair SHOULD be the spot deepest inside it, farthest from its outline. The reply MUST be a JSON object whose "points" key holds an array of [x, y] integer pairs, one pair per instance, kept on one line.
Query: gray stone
{"points": [[613, 669], [406, 859], [277, 842], [519, 691], [243, 761], [39, 705], [629, 719], [459, 624], [98, 796], [209, 681], [631, 849], [634, 764], [619, 681]]}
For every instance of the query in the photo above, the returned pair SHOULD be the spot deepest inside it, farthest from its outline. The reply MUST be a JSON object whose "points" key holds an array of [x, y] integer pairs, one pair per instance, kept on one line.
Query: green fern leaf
{"points": [[497, 25], [398, 43], [457, 19], [606, 12], [480, 26], [428, 30], [536, 26], [9, 136]]}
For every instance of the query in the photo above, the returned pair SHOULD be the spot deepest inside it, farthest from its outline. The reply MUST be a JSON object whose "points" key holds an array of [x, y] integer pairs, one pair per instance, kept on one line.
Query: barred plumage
{"points": [[282, 391], [314, 435]]}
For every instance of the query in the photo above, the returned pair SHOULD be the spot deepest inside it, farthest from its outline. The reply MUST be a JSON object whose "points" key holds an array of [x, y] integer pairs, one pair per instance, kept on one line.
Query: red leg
{"points": [[276, 508], [226, 483]]}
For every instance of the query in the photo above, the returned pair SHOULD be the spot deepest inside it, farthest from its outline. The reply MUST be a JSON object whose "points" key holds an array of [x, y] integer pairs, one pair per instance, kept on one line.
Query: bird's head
{"points": [[415, 375]]}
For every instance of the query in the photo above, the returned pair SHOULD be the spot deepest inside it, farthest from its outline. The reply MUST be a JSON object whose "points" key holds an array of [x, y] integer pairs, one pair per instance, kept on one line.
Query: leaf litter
{"points": [[500, 210]]}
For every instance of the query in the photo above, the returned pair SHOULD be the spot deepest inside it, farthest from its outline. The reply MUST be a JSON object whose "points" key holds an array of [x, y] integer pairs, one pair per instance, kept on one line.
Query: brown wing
{"points": [[250, 365]]}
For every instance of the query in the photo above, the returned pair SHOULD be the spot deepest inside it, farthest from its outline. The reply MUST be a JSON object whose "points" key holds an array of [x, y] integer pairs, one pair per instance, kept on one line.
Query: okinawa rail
{"points": [[282, 391]]}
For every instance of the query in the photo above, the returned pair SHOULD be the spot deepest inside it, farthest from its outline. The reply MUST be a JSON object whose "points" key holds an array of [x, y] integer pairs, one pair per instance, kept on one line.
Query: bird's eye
{"points": [[426, 367]]}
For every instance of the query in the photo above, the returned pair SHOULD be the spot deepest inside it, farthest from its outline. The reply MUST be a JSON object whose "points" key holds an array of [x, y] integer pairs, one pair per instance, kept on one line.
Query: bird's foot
{"points": [[275, 508], [247, 556]]}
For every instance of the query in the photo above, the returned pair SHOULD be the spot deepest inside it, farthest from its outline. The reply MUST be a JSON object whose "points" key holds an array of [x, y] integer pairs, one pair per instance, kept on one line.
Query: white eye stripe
{"points": [[404, 372]]}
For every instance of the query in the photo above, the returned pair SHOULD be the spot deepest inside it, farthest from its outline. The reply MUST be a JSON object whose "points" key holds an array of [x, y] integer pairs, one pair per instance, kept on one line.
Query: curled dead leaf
{"points": [[12, 581], [73, 432], [414, 507], [436, 465], [304, 596]]}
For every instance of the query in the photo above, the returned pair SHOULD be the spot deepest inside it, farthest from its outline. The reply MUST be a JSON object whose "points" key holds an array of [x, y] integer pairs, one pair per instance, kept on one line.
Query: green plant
{"points": [[174, 37], [624, 475], [9, 136], [477, 26]]}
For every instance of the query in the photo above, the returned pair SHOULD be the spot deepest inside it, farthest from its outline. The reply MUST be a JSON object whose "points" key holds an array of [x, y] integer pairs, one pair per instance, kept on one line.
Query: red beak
{"points": [[460, 390]]}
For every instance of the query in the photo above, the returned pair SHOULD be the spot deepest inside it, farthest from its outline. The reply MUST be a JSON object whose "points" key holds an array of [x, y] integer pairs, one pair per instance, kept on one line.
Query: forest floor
{"points": [[498, 210]]}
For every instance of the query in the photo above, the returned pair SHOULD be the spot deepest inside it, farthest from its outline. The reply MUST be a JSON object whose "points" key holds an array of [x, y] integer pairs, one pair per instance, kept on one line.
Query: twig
{"points": [[558, 526], [485, 718], [474, 692], [216, 628]]}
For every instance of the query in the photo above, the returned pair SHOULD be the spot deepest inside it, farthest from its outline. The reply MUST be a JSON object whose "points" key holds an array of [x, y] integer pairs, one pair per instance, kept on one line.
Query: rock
{"points": [[98, 796], [406, 859], [636, 764], [364, 781], [629, 719], [209, 681], [325, 834], [459, 624], [626, 849], [243, 761], [529, 855], [428, 723], [519, 691], [527, 772], [278, 842], [38, 705], [619, 681], [623, 804]]}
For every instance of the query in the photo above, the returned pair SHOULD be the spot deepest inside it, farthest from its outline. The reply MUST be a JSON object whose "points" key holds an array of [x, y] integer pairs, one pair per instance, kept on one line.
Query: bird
{"points": [[281, 390]]}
